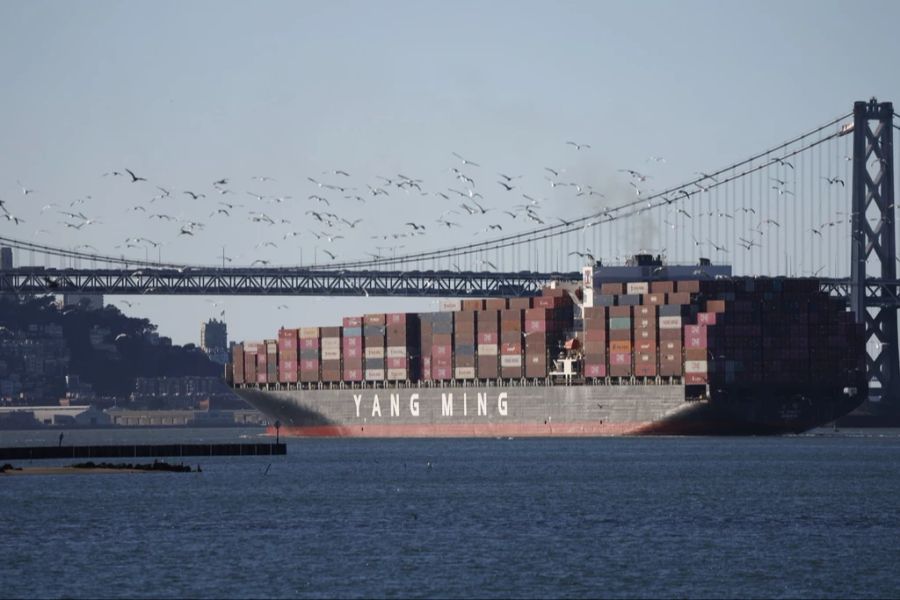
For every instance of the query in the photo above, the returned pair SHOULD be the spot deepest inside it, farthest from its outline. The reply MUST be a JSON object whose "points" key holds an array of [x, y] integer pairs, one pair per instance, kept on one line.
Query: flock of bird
{"points": [[380, 214]]}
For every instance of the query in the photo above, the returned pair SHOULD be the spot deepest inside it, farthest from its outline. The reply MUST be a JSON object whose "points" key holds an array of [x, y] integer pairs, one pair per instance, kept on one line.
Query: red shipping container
{"points": [[612, 288], [441, 373], [645, 345], [353, 353], [692, 286], [695, 378], [373, 319], [441, 362], [620, 358], [511, 348], [520, 303], [352, 322], [715, 306], [536, 326], [658, 287], [642, 369], [473, 304], [488, 337], [287, 374], [309, 343], [695, 336], [707, 318], [551, 302], [309, 365], [353, 373], [595, 347], [397, 363], [619, 311], [620, 347], [595, 335], [496, 304], [594, 370], [592, 313], [646, 312], [441, 350]]}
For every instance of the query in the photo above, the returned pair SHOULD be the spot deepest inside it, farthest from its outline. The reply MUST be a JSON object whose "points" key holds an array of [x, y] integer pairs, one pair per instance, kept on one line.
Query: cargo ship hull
{"points": [[545, 410]]}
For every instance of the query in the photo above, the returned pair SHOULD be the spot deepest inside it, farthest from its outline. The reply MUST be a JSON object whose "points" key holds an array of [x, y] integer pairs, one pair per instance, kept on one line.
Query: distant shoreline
{"points": [[67, 471]]}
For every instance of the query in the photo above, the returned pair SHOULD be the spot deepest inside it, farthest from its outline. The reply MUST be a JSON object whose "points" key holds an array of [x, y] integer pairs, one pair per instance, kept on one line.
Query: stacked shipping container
{"points": [[711, 332]]}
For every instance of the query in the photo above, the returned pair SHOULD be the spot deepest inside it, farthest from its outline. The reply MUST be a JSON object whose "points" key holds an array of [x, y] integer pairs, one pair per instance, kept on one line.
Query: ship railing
{"points": [[659, 380]]}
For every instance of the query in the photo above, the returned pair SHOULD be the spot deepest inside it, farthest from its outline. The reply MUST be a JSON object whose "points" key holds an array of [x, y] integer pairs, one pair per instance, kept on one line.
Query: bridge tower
{"points": [[873, 249]]}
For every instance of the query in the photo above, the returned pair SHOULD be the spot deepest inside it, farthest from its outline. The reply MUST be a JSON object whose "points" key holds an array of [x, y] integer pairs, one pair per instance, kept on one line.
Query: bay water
{"points": [[809, 516]]}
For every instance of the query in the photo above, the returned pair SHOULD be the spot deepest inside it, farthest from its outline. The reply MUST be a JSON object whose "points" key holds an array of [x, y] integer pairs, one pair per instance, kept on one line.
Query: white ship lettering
{"points": [[447, 401], [376, 406], [395, 405]]}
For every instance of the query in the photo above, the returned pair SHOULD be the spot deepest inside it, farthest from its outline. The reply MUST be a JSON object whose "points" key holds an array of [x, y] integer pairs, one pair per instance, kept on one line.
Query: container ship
{"points": [[639, 349]]}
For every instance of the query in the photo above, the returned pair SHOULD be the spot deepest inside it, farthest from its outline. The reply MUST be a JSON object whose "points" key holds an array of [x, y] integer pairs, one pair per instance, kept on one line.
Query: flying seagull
{"points": [[134, 178]]}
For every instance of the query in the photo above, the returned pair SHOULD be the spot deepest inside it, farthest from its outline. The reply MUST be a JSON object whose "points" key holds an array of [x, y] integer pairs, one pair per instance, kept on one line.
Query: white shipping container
{"points": [[309, 332], [588, 297], [695, 366], [670, 322], [450, 305], [638, 287], [374, 374], [375, 352], [331, 343], [396, 352], [487, 349], [397, 374], [507, 360], [465, 372], [331, 354]]}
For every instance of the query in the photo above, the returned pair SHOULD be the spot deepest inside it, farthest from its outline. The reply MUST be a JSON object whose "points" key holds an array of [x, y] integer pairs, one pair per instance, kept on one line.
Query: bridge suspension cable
{"points": [[704, 182]]}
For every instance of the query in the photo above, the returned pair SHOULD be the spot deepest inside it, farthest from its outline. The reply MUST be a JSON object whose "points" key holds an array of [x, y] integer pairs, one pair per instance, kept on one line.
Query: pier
{"points": [[140, 451]]}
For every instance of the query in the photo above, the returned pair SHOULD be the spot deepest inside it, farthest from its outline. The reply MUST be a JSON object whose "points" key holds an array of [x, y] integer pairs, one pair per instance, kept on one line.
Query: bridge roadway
{"points": [[247, 281], [275, 282]]}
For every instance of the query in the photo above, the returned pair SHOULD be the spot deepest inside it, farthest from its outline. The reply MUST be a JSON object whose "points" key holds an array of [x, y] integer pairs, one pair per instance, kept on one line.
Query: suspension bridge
{"points": [[820, 204]]}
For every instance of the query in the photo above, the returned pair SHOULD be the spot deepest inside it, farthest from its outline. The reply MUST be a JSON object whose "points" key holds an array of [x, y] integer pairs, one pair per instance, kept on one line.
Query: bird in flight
{"points": [[781, 161], [193, 195], [135, 178], [833, 180], [508, 187], [577, 145], [586, 255], [465, 161], [25, 190], [331, 255], [635, 174]]}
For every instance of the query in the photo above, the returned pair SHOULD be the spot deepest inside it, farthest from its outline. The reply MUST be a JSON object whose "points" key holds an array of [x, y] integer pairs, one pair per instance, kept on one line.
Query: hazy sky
{"points": [[187, 93]]}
